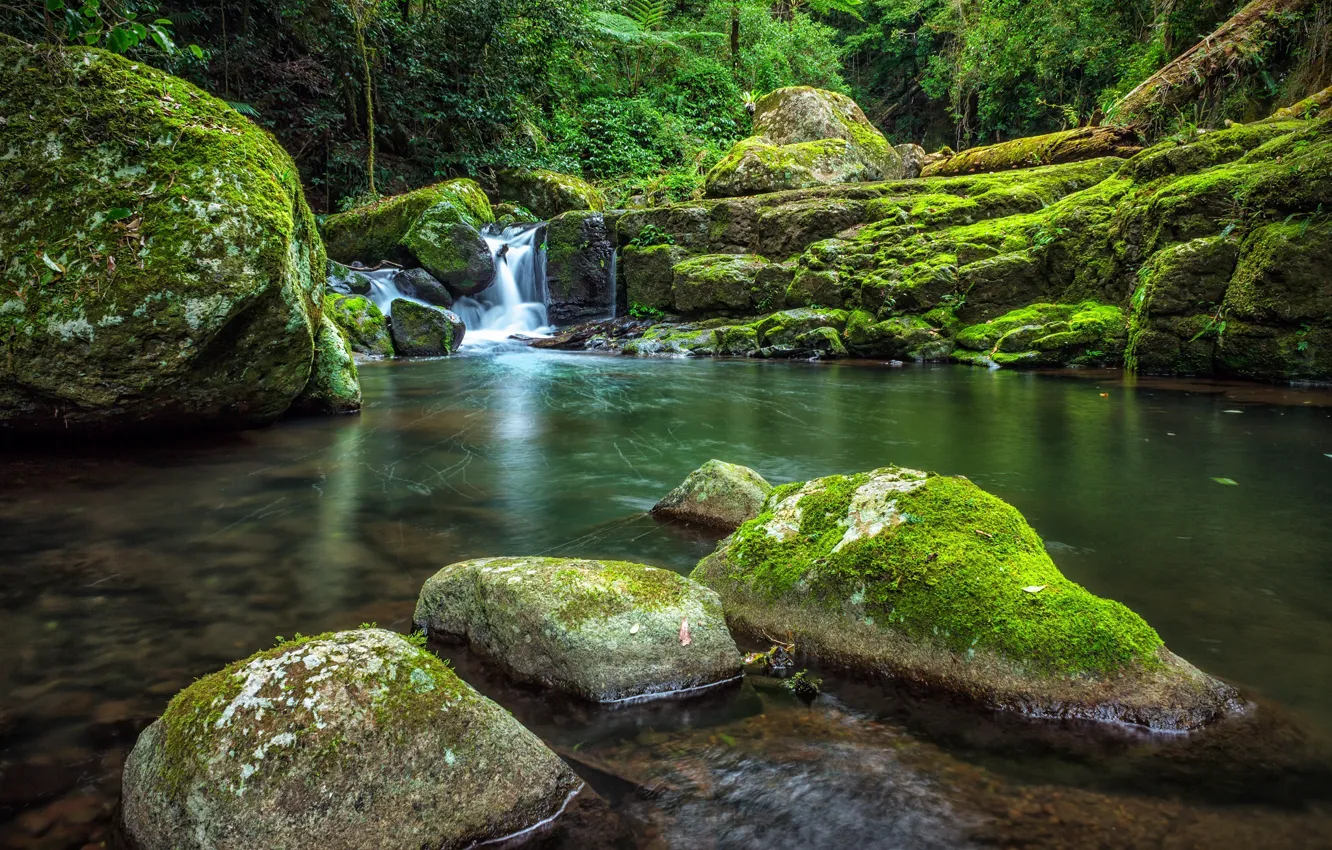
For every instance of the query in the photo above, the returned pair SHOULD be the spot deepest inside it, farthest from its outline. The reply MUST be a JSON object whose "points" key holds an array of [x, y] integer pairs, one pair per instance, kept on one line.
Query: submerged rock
{"points": [[804, 137], [361, 323], [548, 193], [437, 227], [340, 742], [931, 580], [335, 386], [718, 494], [129, 306], [422, 331], [603, 630]]}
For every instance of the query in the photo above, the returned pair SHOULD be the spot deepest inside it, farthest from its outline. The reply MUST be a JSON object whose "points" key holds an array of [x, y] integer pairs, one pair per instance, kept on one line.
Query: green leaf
{"points": [[197, 51], [117, 213], [52, 264], [55, 5], [1229, 482]]}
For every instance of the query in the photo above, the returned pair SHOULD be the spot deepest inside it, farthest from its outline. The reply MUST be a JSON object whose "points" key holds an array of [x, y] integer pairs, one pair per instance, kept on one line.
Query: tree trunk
{"points": [[735, 37], [369, 108], [1202, 67]]}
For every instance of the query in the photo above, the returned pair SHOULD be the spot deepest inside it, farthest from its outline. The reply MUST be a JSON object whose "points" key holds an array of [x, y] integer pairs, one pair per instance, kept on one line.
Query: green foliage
{"points": [[651, 235], [641, 311]]}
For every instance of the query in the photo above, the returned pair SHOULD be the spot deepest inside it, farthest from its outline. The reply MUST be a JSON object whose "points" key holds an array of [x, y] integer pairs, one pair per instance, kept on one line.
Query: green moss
{"points": [[335, 386], [1064, 146], [380, 231], [361, 321], [549, 193], [951, 569], [618, 587]]}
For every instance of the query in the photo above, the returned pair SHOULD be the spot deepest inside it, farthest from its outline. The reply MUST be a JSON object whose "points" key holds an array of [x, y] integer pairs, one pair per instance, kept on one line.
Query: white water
{"points": [[515, 303]]}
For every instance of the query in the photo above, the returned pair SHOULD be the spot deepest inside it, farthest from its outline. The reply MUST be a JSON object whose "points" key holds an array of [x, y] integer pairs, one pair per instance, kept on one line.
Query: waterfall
{"points": [[515, 302]]}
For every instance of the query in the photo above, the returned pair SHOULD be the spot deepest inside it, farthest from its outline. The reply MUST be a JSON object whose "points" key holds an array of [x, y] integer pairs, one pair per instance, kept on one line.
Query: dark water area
{"points": [[126, 572]]}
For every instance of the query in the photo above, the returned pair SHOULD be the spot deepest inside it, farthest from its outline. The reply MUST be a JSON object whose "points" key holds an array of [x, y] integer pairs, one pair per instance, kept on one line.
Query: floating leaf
{"points": [[1035, 588], [1229, 482], [685, 639]]}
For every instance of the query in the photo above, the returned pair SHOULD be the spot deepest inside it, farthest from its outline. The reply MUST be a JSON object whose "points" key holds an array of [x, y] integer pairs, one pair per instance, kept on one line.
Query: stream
{"points": [[1203, 506]]}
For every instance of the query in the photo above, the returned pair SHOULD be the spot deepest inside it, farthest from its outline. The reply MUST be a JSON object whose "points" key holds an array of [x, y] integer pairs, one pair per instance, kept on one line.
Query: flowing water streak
{"points": [[516, 301]]}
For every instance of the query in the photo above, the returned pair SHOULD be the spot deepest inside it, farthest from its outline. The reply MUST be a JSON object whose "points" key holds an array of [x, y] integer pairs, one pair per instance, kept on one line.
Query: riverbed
{"points": [[128, 571]]}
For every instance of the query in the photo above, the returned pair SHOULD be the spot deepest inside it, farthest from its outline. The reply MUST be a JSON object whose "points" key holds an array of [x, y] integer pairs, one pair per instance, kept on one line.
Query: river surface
{"points": [[127, 572]]}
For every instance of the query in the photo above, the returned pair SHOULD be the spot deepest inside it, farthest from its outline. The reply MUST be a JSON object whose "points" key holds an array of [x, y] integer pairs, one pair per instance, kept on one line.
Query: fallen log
{"points": [[1050, 149]]}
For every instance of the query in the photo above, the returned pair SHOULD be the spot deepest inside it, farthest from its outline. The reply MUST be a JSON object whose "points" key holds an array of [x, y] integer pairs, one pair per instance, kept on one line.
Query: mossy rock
{"points": [[901, 337], [649, 274], [720, 284], [343, 741], [675, 340], [548, 193], [580, 254], [343, 280], [419, 330], [784, 328], [334, 386], [423, 286], [1048, 335], [361, 323], [129, 306], [1051, 149], [436, 227], [605, 631], [930, 580], [507, 215], [717, 494]]}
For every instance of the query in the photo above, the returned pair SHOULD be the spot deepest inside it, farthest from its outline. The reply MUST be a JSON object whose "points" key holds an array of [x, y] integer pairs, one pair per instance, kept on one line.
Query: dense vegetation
{"points": [[643, 96]]}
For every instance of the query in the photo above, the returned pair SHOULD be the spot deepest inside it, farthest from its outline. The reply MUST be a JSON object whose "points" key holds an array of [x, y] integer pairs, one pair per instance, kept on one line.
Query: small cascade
{"points": [[384, 289], [515, 302]]}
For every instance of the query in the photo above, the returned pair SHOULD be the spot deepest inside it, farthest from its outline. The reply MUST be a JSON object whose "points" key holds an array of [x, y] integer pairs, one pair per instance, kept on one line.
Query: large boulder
{"points": [[437, 227], [361, 322], [1084, 334], [580, 266], [339, 742], [548, 193], [930, 580], [717, 494], [334, 386], [804, 137], [603, 630], [422, 285], [725, 284], [420, 330], [127, 305]]}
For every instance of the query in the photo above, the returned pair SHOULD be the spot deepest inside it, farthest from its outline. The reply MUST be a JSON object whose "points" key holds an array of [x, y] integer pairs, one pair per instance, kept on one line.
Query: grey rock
{"points": [[422, 331], [602, 630], [419, 283], [346, 741], [718, 494], [580, 250]]}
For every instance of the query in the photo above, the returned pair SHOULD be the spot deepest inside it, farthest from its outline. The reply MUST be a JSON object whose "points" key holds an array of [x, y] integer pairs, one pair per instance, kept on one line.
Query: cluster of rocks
{"points": [[365, 738]]}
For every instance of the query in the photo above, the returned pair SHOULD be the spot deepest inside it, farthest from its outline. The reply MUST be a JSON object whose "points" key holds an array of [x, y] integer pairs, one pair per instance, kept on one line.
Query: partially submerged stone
{"points": [[1083, 334], [127, 306], [548, 193], [605, 631], [718, 494], [804, 137], [420, 330], [361, 322], [930, 580], [422, 285], [334, 386], [340, 742]]}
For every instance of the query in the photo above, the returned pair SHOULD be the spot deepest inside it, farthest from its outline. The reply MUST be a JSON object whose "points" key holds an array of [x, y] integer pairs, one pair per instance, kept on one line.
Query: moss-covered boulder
{"points": [[422, 285], [649, 273], [127, 305], [1051, 149], [580, 260], [603, 630], [1082, 334], [334, 386], [361, 322], [344, 741], [507, 215], [804, 137], [344, 280], [898, 338], [724, 284], [930, 580], [437, 227], [548, 193], [419, 330], [717, 494]]}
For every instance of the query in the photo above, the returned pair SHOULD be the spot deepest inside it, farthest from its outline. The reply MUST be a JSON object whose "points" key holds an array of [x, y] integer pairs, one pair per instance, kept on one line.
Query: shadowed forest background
{"points": [[644, 96]]}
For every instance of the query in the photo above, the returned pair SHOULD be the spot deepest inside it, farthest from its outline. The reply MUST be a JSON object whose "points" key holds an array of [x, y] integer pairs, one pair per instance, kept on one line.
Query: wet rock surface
{"points": [[419, 330], [717, 494], [349, 740], [604, 630]]}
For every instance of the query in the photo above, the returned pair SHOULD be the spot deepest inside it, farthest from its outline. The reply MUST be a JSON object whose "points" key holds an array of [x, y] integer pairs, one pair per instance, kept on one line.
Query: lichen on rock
{"points": [[338, 742], [717, 494], [334, 385], [602, 630], [929, 579], [163, 266]]}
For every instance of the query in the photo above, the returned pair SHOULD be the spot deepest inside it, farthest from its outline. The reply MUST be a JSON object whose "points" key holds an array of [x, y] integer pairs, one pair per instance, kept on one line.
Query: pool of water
{"points": [[127, 571]]}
